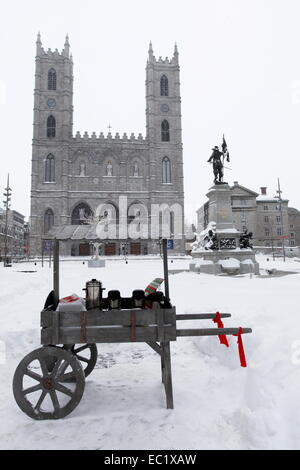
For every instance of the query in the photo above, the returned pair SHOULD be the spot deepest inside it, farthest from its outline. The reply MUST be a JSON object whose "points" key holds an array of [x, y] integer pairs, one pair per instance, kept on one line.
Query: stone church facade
{"points": [[73, 174]]}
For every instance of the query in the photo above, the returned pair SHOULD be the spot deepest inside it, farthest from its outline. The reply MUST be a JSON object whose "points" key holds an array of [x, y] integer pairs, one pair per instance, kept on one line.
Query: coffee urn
{"points": [[93, 294]]}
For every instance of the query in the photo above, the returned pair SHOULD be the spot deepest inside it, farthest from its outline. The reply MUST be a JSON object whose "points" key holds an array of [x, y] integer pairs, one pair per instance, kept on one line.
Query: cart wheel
{"points": [[87, 355], [40, 391]]}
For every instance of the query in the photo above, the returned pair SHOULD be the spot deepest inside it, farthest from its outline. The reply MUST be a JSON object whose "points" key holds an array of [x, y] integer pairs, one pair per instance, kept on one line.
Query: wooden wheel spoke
{"points": [[54, 399], [44, 367], [35, 388], [33, 375], [40, 400], [61, 388], [55, 368], [83, 359], [81, 348], [66, 377], [62, 368]]}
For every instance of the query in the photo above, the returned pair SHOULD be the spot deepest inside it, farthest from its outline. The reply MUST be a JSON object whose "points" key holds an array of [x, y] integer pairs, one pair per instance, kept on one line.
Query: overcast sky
{"points": [[240, 75]]}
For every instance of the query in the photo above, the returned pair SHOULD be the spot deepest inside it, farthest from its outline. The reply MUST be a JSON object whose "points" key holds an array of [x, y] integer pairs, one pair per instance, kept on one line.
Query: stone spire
{"points": [[67, 46], [38, 44], [150, 52], [176, 54]]}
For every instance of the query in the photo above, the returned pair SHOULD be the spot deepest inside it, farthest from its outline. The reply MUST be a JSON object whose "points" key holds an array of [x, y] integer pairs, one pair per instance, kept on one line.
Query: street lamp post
{"points": [[279, 192], [6, 202]]}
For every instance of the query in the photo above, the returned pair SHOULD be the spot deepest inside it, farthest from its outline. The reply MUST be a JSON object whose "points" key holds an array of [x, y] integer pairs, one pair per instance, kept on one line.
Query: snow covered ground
{"points": [[218, 404]]}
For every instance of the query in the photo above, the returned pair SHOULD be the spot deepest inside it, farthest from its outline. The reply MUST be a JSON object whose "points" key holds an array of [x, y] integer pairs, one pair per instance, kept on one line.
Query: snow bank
{"points": [[217, 403]]}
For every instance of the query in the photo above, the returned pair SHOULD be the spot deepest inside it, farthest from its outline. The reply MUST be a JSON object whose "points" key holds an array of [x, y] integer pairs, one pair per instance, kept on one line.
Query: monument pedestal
{"points": [[229, 258], [96, 263]]}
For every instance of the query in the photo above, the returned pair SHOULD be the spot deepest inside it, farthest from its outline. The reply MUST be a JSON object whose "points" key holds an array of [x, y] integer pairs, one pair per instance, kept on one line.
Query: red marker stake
{"points": [[218, 321], [241, 348]]}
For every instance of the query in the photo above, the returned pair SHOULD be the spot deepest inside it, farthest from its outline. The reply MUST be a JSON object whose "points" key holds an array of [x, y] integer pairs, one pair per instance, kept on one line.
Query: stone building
{"points": [[260, 214], [73, 174], [294, 226], [15, 233], [272, 221]]}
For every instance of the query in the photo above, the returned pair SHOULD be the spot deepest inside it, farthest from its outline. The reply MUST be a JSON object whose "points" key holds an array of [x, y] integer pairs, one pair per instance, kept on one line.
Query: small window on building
{"points": [[266, 219], [48, 220], [266, 208], [278, 219], [292, 234], [166, 170], [172, 223], [52, 79], [279, 231], [165, 131], [164, 86], [51, 127], [50, 169], [291, 226], [267, 232], [292, 242]]}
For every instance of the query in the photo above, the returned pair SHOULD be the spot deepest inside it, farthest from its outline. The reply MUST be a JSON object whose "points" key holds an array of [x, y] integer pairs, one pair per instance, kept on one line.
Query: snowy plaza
{"points": [[217, 404]]}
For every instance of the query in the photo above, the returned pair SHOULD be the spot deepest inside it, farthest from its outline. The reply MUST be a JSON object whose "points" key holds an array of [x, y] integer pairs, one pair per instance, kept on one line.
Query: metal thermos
{"points": [[93, 295], [138, 298], [114, 299]]}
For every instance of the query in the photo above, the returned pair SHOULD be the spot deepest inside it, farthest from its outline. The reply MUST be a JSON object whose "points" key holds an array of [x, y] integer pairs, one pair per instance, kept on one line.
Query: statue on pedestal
{"points": [[218, 164], [82, 169], [109, 169], [135, 170], [215, 159], [96, 248]]}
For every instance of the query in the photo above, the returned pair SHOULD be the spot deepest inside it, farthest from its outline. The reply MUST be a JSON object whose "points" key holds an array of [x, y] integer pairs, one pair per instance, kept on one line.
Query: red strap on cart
{"points": [[218, 321], [241, 348]]}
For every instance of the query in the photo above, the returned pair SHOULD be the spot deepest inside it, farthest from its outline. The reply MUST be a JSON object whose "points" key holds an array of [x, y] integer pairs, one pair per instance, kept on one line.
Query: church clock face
{"points": [[164, 108], [51, 103]]}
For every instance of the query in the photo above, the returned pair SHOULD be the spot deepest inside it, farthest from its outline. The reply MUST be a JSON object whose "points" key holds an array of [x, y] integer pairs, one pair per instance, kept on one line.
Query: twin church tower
{"points": [[73, 174]]}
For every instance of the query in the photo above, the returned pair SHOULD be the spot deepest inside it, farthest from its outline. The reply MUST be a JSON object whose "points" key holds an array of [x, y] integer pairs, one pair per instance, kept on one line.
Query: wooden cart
{"points": [[57, 370]]}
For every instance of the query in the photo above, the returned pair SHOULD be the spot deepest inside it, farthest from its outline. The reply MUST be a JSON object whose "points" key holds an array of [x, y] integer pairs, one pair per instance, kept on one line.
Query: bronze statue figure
{"points": [[215, 159]]}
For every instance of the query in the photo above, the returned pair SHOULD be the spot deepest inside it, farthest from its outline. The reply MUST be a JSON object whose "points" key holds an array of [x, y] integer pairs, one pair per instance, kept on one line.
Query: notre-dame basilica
{"points": [[73, 174]]}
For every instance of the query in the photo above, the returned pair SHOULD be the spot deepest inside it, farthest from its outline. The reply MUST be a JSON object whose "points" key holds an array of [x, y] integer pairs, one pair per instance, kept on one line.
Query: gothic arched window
{"points": [[48, 220], [165, 131], [164, 86], [51, 126], [50, 168], [81, 214], [52, 79], [166, 170]]}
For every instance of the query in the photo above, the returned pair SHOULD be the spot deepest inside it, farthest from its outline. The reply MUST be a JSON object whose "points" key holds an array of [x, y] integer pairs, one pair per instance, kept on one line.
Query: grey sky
{"points": [[240, 74]]}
